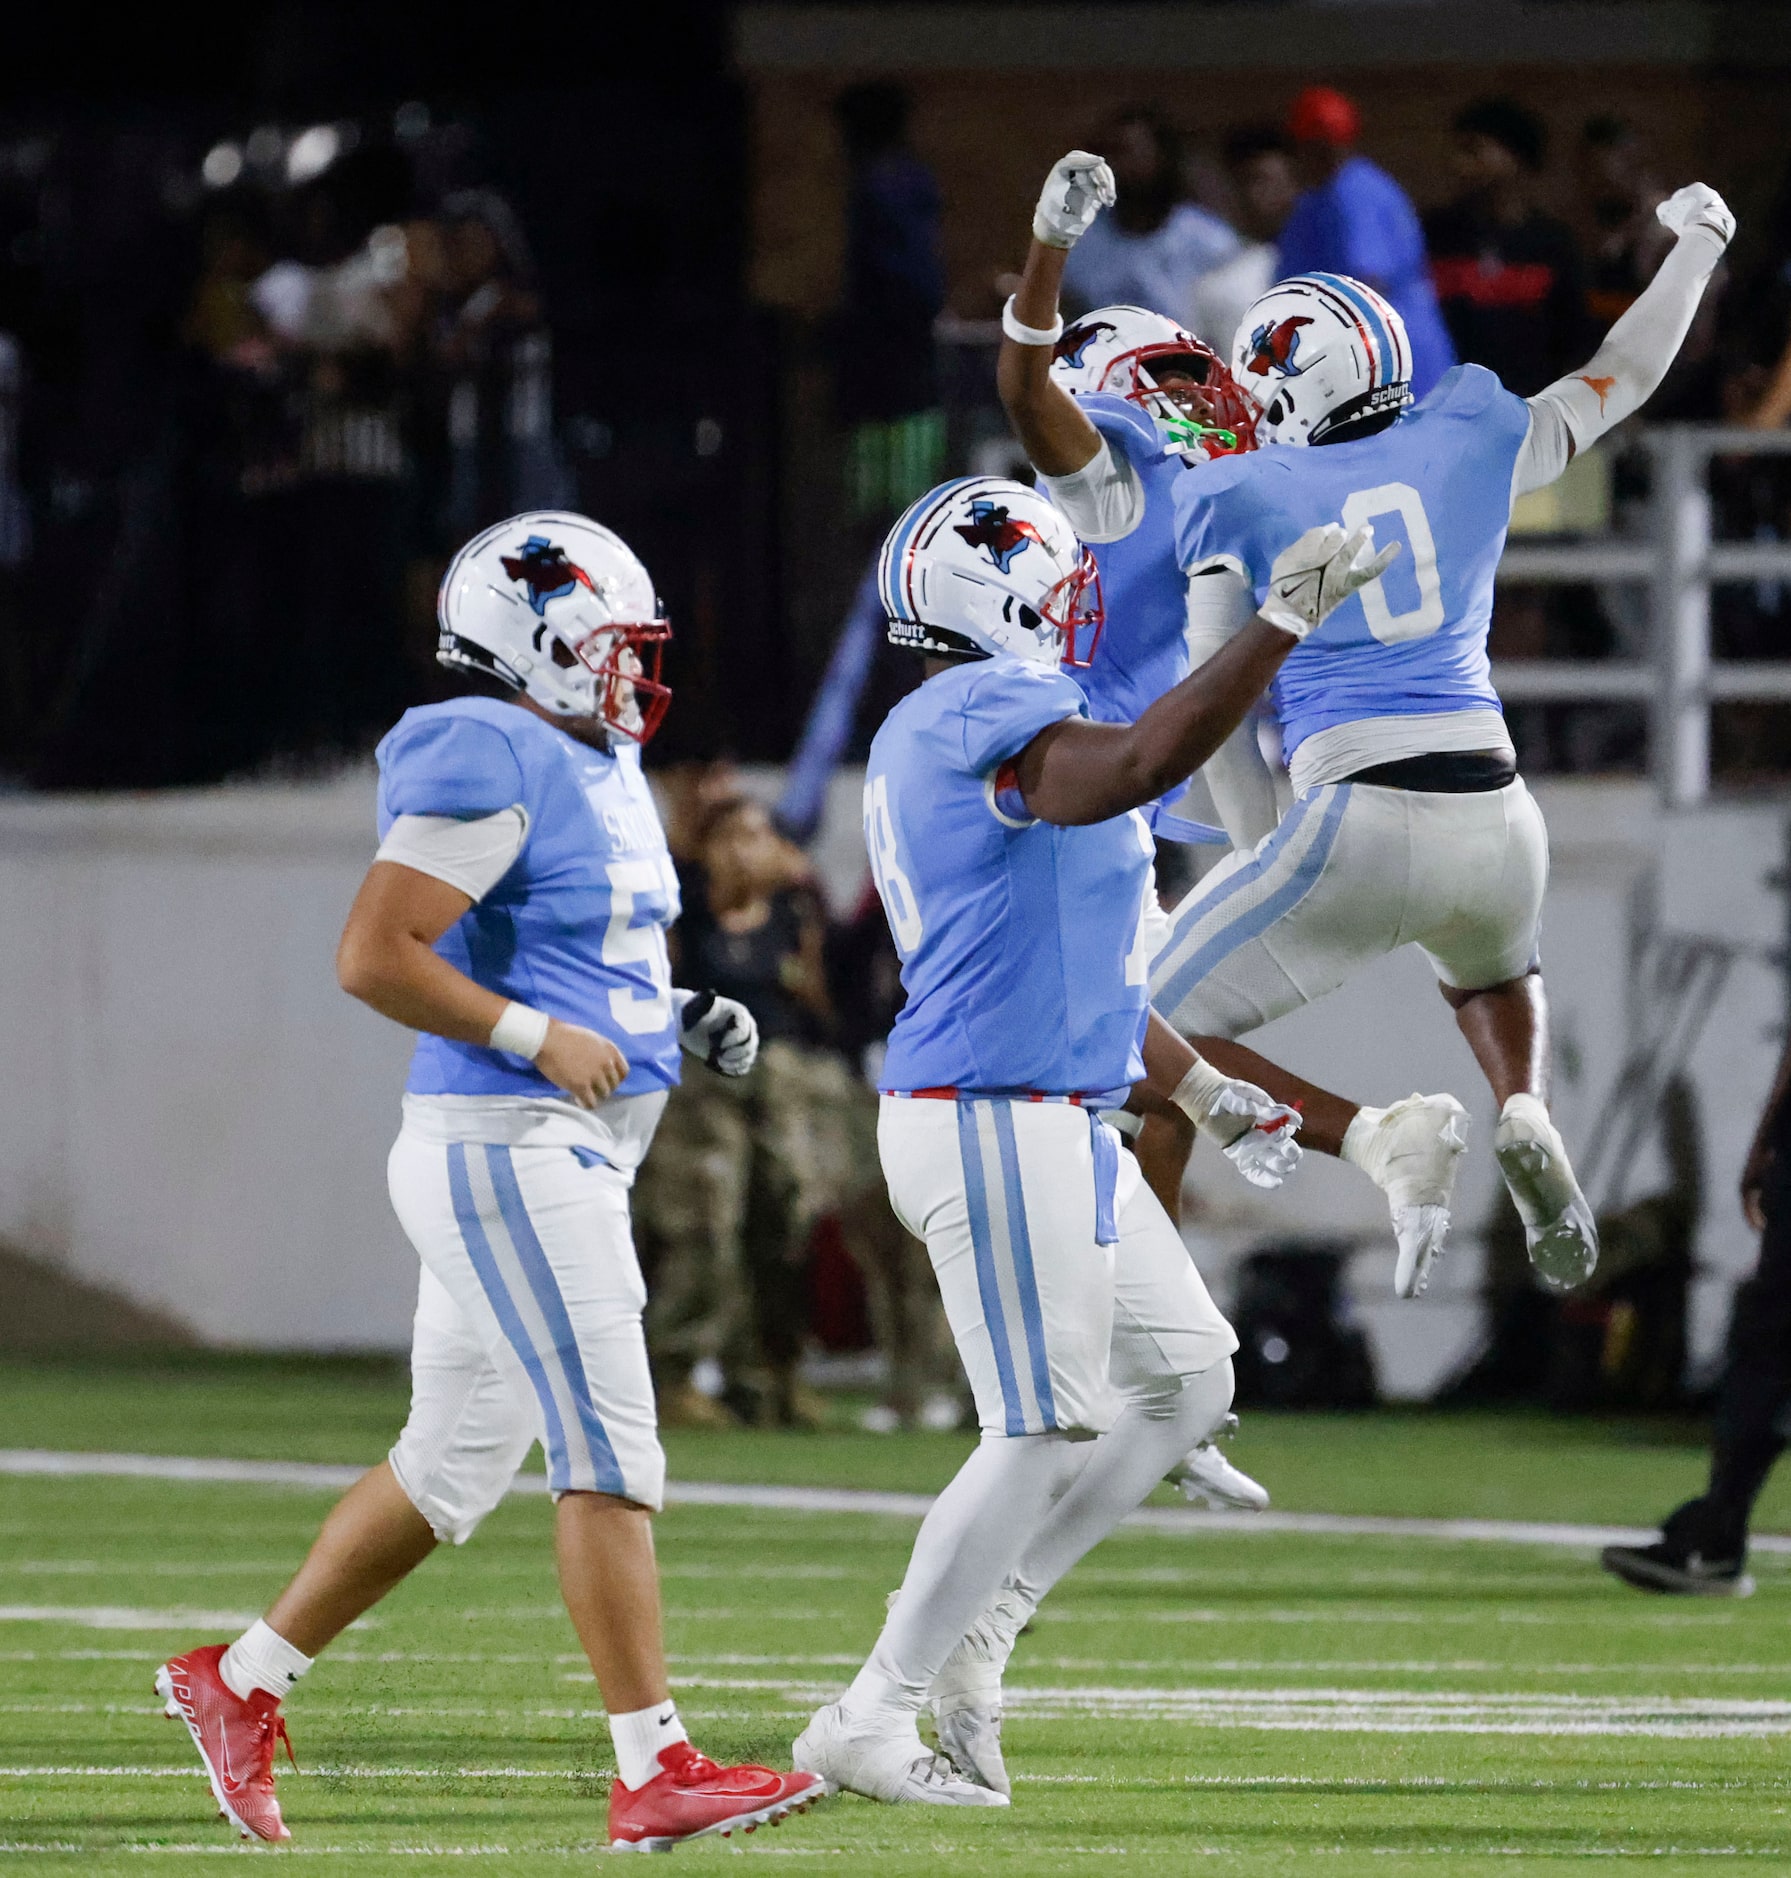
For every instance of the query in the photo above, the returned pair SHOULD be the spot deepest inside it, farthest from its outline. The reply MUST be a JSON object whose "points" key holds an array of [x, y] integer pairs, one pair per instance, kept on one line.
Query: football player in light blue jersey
{"points": [[1409, 823], [1014, 869], [515, 915], [1123, 416]]}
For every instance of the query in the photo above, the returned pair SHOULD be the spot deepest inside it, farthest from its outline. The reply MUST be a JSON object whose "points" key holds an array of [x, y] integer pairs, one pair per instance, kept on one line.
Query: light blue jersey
{"points": [[1022, 943], [1438, 481], [576, 928]]}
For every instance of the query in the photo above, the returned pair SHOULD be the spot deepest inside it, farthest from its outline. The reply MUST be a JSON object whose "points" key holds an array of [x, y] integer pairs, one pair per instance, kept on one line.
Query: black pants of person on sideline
{"points": [[1753, 1408]]}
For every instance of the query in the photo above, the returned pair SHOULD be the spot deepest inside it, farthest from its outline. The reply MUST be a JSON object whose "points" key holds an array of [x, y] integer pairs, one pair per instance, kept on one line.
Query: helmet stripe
{"points": [[1366, 303]]}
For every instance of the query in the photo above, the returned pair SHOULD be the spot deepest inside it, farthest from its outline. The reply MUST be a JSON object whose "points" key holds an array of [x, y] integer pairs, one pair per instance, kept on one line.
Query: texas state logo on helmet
{"points": [[1324, 358], [559, 607], [1122, 349], [983, 565]]}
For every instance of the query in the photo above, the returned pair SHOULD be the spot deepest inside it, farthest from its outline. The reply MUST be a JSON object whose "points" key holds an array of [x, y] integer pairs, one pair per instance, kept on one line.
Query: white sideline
{"points": [[330, 1476]]}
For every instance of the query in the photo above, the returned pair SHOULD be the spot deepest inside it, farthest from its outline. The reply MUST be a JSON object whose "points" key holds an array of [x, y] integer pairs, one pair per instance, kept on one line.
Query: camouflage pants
{"points": [[739, 1172]]}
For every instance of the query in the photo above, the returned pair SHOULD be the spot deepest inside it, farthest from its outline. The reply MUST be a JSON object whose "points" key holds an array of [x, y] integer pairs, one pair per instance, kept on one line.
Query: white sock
{"points": [[1153, 1432], [261, 1659], [639, 1735], [1357, 1136], [970, 1538]]}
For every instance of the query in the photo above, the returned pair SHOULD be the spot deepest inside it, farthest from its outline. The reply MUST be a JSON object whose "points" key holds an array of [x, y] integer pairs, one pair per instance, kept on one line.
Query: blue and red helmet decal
{"points": [[1273, 348], [993, 529], [1074, 344], [543, 568]]}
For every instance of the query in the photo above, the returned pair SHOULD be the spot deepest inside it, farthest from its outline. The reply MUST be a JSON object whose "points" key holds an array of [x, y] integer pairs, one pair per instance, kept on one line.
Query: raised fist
{"points": [[1079, 187]]}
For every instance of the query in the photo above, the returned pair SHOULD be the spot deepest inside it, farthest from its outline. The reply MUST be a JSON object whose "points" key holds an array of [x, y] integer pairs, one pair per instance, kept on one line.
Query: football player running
{"points": [[515, 915], [1410, 823], [1015, 876], [1121, 415]]}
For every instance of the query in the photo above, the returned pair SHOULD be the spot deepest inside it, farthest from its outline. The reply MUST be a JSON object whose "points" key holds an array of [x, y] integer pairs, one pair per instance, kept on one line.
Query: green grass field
{"points": [[1379, 1705]]}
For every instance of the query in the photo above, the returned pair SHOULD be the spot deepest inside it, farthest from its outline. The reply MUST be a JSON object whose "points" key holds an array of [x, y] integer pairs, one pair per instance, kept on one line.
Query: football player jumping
{"points": [[1127, 400], [515, 915], [1016, 883], [1410, 823]]}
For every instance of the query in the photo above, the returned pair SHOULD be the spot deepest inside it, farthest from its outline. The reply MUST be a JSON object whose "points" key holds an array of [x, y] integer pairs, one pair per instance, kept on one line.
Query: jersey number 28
{"points": [[1426, 617], [893, 886]]}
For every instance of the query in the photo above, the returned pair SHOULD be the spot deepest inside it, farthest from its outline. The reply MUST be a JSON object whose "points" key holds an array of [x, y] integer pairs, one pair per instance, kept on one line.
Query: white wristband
{"points": [[521, 1031], [1029, 335]]}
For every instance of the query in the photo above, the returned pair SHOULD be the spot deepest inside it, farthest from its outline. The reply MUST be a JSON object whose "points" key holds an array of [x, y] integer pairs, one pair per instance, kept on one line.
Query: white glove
{"points": [[1697, 205], [720, 1031], [1319, 572], [1079, 187], [1255, 1132]]}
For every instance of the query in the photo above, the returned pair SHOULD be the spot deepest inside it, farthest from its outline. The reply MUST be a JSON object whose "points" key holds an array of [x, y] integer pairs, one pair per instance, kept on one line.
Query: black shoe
{"points": [[1691, 1558]]}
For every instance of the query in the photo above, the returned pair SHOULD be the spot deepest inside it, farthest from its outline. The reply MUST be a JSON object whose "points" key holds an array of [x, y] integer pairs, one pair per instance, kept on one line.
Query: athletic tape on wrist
{"points": [[521, 1031], [1029, 335], [1197, 1091]]}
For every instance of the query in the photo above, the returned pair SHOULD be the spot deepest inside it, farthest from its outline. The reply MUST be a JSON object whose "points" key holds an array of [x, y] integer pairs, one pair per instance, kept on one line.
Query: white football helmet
{"points": [[1322, 356], [1115, 349], [984, 565], [559, 607]]}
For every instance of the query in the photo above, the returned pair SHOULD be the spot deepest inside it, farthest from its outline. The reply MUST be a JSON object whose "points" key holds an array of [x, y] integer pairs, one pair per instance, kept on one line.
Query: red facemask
{"points": [[1075, 608], [631, 700]]}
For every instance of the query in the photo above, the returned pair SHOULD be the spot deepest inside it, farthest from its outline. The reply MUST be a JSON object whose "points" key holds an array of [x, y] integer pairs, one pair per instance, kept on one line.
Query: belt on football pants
{"points": [[1443, 773]]}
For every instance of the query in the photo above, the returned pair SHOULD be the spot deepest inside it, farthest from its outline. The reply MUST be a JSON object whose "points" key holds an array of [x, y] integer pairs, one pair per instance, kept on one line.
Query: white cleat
{"points": [[1412, 1156], [1207, 1478], [1558, 1224], [883, 1759]]}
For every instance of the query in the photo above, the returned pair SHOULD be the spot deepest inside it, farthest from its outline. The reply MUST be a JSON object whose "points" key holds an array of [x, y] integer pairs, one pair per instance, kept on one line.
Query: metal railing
{"points": [[1678, 563]]}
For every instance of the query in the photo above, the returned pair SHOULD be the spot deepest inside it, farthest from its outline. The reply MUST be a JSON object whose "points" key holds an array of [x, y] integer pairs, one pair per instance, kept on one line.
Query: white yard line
{"points": [[329, 1477]]}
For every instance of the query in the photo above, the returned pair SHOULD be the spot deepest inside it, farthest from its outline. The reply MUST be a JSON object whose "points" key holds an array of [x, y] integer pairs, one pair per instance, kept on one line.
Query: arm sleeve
{"points": [[458, 766], [1624, 371], [1103, 500], [1008, 706], [1242, 785], [471, 855]]}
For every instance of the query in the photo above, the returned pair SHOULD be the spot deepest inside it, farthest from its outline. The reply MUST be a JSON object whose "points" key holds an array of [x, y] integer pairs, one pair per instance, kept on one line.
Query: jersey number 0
{"points": [[1426, 617]]}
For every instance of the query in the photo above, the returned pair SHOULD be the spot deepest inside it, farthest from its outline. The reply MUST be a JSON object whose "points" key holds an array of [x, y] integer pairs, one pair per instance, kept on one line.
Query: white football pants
{"points": [[1012, 1199], [528, 1328], [1353, 871]]}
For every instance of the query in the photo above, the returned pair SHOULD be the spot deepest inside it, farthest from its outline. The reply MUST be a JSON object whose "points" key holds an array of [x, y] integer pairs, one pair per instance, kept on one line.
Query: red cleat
{"points": [[235, 1738], [694, 1797]]}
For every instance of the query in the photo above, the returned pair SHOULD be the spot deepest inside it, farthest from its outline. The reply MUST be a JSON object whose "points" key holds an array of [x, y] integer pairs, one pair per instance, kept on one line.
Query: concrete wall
{"points": [[192, 1112]]}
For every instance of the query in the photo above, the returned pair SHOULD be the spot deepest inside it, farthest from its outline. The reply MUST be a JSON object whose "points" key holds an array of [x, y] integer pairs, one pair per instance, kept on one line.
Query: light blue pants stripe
{"points": [[1020, 1252], [484, 1262], [988, 1285], [605, 1469], [1170, 993]]}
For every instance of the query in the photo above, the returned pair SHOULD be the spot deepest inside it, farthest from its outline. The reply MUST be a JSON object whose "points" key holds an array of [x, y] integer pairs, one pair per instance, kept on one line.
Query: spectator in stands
{"points": [[886, 380], [746, 1165], [1509, 278], [1152, 247], [1259, 160], [1355, 219]]}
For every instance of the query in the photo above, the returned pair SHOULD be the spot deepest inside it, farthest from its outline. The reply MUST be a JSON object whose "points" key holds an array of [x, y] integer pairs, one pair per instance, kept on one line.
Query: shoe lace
{"points": [[273, 1729]]}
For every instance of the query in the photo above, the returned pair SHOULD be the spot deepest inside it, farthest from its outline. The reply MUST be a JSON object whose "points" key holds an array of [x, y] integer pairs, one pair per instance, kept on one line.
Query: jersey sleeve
{"points": [[1008, 704], [1212, 527], [1129, 431], [457, 766]]}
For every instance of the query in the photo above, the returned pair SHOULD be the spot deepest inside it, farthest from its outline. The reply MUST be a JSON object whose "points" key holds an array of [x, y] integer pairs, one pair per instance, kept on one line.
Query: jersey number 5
{"points": [[1421, 621], [893, 887], [641, 886]]}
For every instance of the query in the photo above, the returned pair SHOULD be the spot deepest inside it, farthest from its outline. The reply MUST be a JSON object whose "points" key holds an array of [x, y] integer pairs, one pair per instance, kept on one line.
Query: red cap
{"points": [[1321, 115]]}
